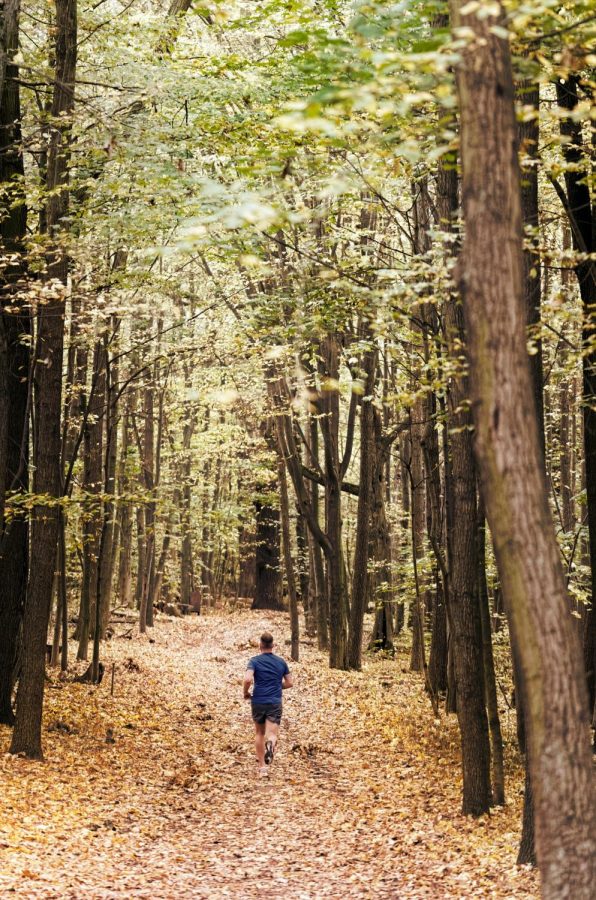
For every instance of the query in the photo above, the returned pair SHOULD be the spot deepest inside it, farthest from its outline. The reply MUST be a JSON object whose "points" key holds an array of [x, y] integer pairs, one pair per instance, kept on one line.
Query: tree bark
{"points": [[529, 136], [383, 627], [48, 397], [15, 330], [93, 443], [582, 216], [418, 495], [509, 458], [490, 684], [124, 519], [268, 575], [284, 505], [336, 589], [360, 582]]}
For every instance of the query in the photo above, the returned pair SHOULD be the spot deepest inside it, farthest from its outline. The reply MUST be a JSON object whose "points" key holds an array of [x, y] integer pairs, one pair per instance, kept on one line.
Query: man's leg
{"points": [[271, 732], [260, 742], [271, 736]]}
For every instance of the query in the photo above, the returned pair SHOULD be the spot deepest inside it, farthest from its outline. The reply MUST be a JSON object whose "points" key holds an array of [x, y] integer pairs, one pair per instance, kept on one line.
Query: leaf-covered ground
{"points": [[153, 792]]}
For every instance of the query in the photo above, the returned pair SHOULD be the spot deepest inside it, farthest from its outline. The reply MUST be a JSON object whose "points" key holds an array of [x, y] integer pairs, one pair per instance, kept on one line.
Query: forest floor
{"points": [[153, 792]]}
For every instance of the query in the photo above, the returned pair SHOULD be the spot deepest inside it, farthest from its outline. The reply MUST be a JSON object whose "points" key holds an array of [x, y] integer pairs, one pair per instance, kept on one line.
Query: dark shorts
{"points": [[266, 712]]}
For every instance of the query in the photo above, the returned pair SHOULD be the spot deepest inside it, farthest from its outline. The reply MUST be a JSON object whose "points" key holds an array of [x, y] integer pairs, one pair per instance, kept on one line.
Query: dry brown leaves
{"points": [[153, 792]]}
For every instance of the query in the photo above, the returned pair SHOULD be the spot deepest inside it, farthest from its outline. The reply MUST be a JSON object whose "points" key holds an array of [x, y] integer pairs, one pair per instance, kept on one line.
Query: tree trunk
{"points": [[304, 580], [148, 467], [284, 505], [582, 215], [383, 628], [418, 494], [320, 596], [268, 580], [186, 560], [124, 520], [490, 684], [509, 459], [365, 508], [92, 508], [529, 136], [106, 559], [437, 665], [15, 330], [48, 398], [329, 421]]}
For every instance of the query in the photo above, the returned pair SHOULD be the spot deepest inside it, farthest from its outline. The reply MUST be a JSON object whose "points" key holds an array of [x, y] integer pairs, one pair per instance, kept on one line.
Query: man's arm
{"points": [[287, 681], [248, 678]]}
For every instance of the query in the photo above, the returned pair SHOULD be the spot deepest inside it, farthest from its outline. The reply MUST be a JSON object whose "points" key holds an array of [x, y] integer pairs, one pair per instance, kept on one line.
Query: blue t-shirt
{"points": [[269, 670]]}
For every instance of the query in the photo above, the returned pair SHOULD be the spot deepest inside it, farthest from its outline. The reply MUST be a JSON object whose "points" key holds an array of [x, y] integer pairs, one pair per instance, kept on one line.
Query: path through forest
{"points": [[153, 792]]}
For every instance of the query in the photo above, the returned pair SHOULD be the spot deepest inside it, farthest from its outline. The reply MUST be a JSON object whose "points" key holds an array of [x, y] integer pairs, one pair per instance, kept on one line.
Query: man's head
{"points": [[266, 642]]}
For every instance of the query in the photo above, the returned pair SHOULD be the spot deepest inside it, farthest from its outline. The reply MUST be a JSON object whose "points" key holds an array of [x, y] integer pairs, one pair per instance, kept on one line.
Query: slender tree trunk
{"points": [[304, 579], [582, 214], [124, 519], [320, 596], [437, 666], [360, 586], [383, 628], [418, 494], [336, 593], [490, 683], [284, 505], [529, 136], [527, 846], [148, 466], [93, 508], [509, 458], [106, 558], [186, 567]]}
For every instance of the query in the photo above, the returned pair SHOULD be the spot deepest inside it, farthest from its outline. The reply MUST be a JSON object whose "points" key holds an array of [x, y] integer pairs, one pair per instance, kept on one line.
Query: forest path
{"points": [[362, 801]]}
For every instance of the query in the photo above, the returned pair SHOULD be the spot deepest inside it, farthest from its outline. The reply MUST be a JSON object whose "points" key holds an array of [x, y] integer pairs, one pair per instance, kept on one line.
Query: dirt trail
{"points": [[362, 801]]}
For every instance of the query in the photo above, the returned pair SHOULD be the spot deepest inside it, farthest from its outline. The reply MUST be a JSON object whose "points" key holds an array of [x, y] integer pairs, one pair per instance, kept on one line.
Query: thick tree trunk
{"points": [[464, 608], [15, 330], [509, 458], [48, 399]]}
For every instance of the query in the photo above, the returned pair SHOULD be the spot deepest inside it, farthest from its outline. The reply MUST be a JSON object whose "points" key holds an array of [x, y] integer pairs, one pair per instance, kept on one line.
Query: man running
{"points": [[271, 675]]}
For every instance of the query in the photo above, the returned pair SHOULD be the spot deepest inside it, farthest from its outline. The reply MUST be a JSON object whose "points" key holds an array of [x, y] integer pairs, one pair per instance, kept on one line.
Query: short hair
{"points": [[267, 639]]}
